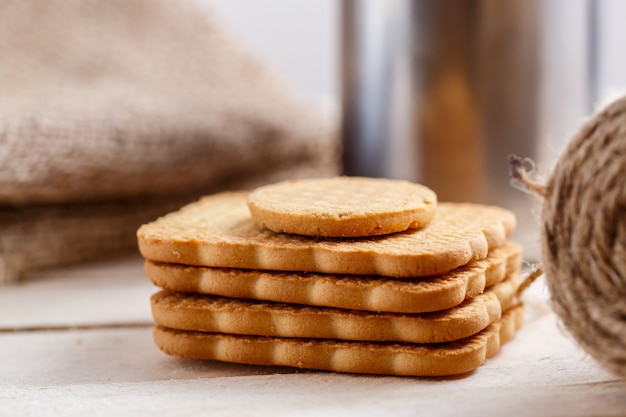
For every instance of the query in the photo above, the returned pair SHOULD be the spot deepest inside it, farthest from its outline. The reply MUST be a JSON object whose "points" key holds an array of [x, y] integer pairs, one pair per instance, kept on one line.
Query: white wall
{"points": [[611, 51], [300, 36]]}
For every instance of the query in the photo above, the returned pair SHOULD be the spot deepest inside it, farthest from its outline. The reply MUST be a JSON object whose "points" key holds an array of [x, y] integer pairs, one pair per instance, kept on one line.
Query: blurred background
{"points": [[113, 113], [302, 38], [441, 92]]}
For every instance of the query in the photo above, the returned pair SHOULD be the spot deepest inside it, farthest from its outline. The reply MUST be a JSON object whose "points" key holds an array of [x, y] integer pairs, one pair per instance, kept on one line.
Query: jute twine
{"points": [[583, 232]]}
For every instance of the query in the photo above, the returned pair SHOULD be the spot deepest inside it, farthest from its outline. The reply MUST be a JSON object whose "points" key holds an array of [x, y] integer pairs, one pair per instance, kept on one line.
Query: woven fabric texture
{"points": [[115, 112]]}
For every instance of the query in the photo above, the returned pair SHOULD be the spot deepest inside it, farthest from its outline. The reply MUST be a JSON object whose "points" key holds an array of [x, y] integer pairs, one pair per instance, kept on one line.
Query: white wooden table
{"points": [[77, 342]]}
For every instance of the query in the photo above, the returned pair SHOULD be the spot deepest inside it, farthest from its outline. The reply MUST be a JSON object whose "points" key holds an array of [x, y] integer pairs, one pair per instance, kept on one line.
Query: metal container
{"points": [[441, 92]]}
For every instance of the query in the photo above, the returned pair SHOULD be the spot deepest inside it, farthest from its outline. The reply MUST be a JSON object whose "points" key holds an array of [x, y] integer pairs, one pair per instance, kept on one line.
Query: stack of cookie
{"points": [[344, 274]]}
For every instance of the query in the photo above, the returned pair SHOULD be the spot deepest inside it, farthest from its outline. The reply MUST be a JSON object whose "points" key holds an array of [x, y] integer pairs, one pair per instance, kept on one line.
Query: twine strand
{"points": [[521, 170], [521, 176], [530, 277]]}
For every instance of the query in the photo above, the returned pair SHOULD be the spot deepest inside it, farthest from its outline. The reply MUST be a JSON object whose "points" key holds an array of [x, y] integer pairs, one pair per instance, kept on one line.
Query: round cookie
{"points": [[342, 206]]}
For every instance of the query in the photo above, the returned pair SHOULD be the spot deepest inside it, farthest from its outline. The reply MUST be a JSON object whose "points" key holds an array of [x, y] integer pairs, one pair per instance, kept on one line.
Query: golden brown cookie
{"points": [[370, 293], [407, 359], [217, 231], [342, 206], [208, 313]]}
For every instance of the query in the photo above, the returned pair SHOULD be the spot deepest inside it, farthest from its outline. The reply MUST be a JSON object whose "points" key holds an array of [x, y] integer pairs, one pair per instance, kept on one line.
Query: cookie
{"points": [[342, 206], [408, 359], [218, 231], [370, 293], [208, 313]]}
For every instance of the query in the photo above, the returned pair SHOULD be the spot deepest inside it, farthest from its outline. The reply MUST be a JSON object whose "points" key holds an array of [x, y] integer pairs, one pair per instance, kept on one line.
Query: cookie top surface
{"points": [[342, 206], [218, 231]]}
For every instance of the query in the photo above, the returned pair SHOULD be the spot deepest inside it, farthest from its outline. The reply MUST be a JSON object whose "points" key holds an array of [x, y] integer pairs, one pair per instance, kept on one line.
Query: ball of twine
{"points": [[583, 232]]}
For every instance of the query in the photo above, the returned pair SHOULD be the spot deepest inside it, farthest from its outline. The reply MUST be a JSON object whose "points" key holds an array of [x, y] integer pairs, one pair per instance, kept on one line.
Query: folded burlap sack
{"points": [[114, 112]]}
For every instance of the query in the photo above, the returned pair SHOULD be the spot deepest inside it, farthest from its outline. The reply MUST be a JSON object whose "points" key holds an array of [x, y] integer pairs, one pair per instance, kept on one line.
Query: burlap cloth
{"points": [[114, 112]]}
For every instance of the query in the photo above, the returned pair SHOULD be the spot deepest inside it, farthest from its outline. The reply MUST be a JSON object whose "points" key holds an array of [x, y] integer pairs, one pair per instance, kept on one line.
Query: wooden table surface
{"points": [[77, 341]]}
